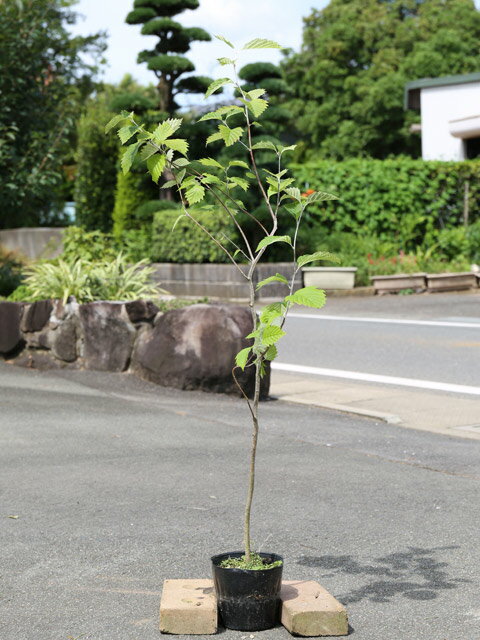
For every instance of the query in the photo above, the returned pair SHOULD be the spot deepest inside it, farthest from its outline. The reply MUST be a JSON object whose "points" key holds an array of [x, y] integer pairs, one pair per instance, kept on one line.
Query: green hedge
{"points": [[96, 158], [188, 243], [401, 200]]}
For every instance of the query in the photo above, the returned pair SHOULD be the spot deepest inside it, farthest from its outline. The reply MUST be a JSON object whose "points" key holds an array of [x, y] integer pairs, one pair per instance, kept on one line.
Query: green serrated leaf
{"points": [[180, 176], [230, 136], [261, 43], [214, 137], [169, 184], [177, 144], [291, 147], [271, 239], [271, 335], [238, 163], [241, 358], [271, 312], [265, 144], [216, 84], [276, 278], [318, 255], [257, 106], [210, 162], [320, 196], [249, 174], [255, 93], [294, 193], [295, 210], [271, 353], [225, 61], [195, 193], [129, 156], [125, 133], [285, 183], [180, 162], [238, 182], [156, 165], [147, 152], [308, 297], [223, 39], [209, 178], [114, 121], [166, 129]]}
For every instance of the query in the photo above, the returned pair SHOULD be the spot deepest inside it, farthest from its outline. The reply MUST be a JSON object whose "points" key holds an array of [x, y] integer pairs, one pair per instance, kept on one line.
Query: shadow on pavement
{"points": [[416, 574]]}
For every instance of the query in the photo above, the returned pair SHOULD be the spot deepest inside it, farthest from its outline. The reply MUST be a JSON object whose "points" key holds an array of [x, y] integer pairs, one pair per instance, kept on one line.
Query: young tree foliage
{"points": [[207, 176]]}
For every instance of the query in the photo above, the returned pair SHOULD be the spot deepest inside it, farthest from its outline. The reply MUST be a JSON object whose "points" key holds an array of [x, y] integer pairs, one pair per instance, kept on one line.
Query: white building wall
{"points": [[438, 106]]}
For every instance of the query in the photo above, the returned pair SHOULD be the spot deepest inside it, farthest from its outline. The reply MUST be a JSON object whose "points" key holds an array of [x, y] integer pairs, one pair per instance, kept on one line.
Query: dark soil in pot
{"points": [[248, 599]]}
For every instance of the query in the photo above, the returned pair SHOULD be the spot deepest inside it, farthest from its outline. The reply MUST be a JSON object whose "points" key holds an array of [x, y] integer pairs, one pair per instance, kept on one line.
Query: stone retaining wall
{"points": [[34, 242], [220, 280], [189, 348]]}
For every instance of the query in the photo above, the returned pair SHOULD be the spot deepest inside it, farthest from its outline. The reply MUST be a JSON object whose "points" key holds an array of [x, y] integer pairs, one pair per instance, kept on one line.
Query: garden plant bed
{"points": [[399, 282], [330, 278], [452, 281]]}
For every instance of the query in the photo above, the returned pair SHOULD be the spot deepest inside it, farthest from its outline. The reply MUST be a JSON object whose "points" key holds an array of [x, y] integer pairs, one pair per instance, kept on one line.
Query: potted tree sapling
{"points": [[247, 583]]}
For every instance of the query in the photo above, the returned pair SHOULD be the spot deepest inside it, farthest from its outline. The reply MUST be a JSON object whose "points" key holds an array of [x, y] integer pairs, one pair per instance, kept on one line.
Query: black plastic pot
{"points": [[248, 599]]}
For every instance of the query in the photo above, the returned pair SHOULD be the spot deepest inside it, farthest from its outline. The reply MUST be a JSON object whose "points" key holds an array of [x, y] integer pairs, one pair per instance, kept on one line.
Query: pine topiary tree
{"points": [[268, 76], [165, 59]]}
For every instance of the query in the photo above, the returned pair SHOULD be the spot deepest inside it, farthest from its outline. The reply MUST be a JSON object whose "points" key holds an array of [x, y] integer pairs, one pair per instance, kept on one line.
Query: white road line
{"points": [[371, 377], [427, 323]]}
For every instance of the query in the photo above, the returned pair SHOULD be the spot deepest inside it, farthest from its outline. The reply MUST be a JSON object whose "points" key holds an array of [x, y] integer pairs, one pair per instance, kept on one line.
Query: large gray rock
{"points": [[36, 316], [107, 335], [195, 348], [141, 310], [10, 334]]}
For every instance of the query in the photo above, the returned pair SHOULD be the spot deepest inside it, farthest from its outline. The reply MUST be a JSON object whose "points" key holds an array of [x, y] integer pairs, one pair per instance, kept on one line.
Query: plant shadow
{"points": [[416, 574]]}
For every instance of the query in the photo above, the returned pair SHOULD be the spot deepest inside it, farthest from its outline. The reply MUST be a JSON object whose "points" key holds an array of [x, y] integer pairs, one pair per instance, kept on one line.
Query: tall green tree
{"points": [[166, 58], [355, 59], [44, 78]]}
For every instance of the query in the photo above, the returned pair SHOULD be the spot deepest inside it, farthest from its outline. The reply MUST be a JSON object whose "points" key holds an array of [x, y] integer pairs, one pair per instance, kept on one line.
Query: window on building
{"points": [[472, 148]]}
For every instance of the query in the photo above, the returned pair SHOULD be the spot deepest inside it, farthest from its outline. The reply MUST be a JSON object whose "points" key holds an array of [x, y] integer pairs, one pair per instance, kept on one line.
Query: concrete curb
{"points": [[390, 418]]}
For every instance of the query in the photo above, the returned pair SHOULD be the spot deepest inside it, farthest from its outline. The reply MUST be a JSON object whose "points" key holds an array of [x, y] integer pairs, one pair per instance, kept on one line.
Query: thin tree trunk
{"points": [[253, 451]]}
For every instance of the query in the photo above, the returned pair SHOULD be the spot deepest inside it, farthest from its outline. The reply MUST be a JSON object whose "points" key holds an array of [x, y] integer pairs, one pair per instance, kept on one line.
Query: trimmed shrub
{"points": [[96, 175], [144, 214], [133, 189], [188, 243], [404, 201]]}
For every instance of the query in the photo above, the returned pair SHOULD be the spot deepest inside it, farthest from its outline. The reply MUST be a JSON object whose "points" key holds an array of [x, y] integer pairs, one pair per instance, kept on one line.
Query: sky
{"points": [[237, 20]]}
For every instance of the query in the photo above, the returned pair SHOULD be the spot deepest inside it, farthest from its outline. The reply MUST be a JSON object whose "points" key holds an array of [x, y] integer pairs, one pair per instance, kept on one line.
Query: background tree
{"points": [[166, 59], [43, 81], [356, 57]]}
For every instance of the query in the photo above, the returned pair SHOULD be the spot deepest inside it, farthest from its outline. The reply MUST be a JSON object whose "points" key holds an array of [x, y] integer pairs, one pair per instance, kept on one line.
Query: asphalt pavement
{"points": [[409, 360], [432, 337], [109, 485]]}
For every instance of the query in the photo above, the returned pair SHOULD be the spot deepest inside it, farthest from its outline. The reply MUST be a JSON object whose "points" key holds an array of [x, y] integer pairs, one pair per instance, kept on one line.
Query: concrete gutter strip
{"points": [[390, 418]]}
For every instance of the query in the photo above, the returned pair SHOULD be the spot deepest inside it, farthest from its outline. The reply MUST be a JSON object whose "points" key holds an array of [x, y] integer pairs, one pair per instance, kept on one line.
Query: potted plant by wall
{"points": [[247, 583]]}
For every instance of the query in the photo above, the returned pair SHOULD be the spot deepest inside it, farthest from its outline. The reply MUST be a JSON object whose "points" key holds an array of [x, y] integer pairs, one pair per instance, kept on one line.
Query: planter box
{"points": [[452, 281], [329, 277], [399, 282]]}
